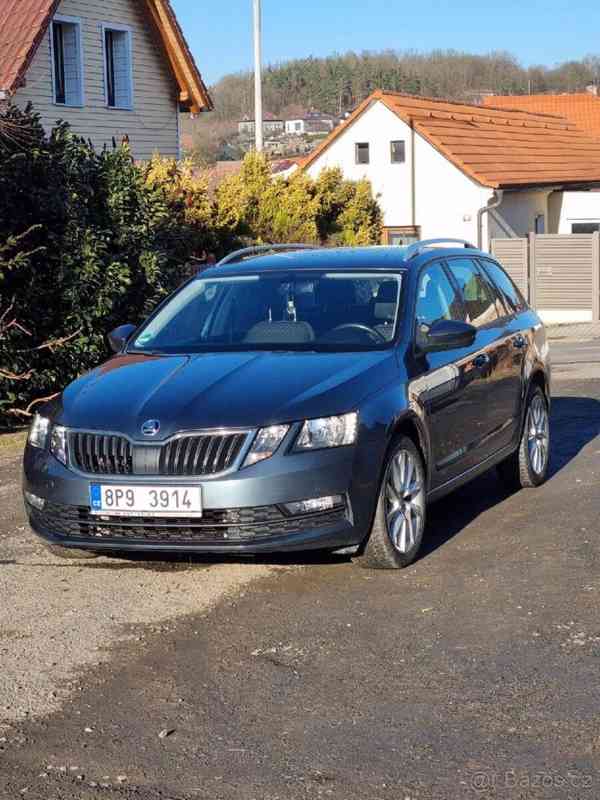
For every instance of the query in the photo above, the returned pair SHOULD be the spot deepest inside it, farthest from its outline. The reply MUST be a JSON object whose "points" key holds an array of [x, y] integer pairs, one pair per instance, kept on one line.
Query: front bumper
{"points": [[242, 512]]}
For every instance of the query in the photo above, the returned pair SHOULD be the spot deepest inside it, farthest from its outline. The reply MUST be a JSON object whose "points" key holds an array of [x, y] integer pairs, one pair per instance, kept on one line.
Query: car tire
{"points": [[528, 466], [400, 516], [71, 552]]}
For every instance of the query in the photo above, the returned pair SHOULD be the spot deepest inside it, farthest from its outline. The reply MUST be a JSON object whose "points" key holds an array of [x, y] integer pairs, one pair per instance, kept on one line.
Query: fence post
{"points": [[531, 276], [596, 276]]}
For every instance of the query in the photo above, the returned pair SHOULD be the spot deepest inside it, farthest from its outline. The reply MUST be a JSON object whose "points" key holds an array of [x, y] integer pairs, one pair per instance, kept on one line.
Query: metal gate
{"points": [[513, 254], [555, 271]]}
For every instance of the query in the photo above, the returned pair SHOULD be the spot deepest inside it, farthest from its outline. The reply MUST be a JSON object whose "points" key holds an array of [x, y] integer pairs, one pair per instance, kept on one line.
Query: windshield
{"points": [[276, 311]]}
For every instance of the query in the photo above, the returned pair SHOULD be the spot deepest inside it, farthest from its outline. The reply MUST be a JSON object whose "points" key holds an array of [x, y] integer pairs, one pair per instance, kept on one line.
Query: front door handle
{"points": [[519, 341]]}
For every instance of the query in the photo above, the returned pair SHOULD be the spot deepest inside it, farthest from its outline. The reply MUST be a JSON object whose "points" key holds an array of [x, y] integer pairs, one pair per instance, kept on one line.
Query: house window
{"points": [[585, 227], [361, 152], [401, 235], [397, 152], [117, 68], [67, 62]]}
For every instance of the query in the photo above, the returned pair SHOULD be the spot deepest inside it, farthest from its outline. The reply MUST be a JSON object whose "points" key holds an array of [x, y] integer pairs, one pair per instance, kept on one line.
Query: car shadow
{"points": [[575, 421], [119, 560]]}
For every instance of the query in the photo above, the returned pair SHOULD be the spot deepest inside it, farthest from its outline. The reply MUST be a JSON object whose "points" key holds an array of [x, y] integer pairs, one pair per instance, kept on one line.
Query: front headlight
{"points": [[266, 443], [317, 434], [58, 443], [38, 432]]}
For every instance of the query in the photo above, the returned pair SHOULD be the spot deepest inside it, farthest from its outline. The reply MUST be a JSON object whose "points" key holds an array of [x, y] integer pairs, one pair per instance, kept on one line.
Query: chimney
{"points": [[592, 88]]}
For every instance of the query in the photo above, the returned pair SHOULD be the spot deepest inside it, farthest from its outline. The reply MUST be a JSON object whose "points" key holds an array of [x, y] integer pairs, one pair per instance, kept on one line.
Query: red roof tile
{"points": [[496, 147], [582, 109], [22, 26]]}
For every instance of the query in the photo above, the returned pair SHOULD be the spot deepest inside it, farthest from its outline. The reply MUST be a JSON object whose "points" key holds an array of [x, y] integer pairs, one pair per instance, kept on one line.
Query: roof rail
{"points": [[416, 248], [256, 250]]}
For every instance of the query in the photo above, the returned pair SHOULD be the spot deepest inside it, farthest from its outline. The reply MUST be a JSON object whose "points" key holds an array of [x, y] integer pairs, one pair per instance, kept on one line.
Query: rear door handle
{"points": [[481, 361], [519, 341]]}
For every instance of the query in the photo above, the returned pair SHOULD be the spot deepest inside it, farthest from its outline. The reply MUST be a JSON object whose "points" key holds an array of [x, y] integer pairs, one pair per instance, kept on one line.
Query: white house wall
{"points": [[520, 210], [378, 126], [446, 200], [567, 208]]}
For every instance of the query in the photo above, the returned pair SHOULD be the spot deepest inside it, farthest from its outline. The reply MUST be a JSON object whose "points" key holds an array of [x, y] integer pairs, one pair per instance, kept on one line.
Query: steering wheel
{"points": [[365, 330]]}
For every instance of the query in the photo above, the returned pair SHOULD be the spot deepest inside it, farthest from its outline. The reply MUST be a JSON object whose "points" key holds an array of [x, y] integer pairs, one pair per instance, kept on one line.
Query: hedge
{"points": [[89, 240]]}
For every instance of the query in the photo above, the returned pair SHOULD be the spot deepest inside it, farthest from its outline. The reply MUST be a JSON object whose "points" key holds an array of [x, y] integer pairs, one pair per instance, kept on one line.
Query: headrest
{"points": [[284, 332], [384, 311]]}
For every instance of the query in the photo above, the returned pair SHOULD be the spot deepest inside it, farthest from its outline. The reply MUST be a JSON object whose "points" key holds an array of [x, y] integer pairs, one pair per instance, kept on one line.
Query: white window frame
{"points": [[115, 26], [70, 21]]}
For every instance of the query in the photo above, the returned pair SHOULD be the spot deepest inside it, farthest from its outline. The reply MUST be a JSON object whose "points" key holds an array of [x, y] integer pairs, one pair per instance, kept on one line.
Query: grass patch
{"points": [[11, 443]]}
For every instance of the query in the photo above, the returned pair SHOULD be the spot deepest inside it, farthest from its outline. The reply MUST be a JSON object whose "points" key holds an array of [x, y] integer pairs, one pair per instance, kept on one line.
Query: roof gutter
{"points": [[496, 201]]}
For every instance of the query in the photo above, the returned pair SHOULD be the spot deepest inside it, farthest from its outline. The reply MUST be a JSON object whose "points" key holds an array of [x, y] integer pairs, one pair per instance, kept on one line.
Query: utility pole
{"points": [[258, 113]]}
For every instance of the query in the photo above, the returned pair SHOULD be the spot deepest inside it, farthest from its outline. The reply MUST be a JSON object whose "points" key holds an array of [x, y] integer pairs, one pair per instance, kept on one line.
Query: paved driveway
{"points": [[474, 673]]}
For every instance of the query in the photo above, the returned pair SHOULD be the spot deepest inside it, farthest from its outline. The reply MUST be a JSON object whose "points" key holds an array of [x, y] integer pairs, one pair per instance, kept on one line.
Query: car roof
{"points": [[386, 258]]}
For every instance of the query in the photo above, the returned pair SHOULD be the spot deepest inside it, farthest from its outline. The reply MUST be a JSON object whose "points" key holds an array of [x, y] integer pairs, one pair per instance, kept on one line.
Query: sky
{"points": [[220, 33]]}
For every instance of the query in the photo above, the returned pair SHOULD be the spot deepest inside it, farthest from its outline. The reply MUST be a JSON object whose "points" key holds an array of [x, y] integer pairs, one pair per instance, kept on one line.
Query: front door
{"points": [[449, 385]]}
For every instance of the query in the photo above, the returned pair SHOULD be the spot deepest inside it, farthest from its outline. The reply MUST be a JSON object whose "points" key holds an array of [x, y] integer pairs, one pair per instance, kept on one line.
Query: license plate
{"points": [[150, 501]]}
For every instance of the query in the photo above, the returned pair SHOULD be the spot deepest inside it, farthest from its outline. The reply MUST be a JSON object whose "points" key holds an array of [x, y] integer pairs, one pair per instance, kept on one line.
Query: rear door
{"points": [[494, 390], [517, 342]]}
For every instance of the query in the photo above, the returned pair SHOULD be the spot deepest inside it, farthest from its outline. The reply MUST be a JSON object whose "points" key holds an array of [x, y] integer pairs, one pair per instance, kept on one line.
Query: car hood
{"points": [[214, 390]]}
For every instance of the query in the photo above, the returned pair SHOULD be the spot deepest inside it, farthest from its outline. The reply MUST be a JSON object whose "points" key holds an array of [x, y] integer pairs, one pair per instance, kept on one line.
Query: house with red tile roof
{"points": [[112, 70], [445, 168], [580, 211]]}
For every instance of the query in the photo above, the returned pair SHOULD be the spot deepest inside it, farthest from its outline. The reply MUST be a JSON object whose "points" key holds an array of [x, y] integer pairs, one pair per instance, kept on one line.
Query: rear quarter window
{"points": [[512, 296]]}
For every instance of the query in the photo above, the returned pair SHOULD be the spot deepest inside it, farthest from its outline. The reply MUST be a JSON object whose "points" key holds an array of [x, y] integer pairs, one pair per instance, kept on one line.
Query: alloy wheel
{"points": [[404, 501], [538, 436]]}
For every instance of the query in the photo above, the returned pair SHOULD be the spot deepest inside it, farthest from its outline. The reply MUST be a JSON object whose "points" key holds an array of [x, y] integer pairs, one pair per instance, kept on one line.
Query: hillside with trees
{"points": [[336, 84]]}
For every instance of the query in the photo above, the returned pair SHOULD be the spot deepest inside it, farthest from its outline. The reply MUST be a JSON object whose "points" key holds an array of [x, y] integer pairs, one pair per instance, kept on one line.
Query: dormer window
{"points": [[67, 62]]}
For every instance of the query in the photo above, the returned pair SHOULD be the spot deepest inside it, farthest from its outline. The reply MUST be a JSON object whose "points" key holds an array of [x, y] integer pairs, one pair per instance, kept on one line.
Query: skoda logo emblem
{"points": [[151, 427]]}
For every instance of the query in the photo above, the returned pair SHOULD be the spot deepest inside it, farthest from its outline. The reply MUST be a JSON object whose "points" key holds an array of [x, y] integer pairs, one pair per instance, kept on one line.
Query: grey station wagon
{"points": [[294, 398]]}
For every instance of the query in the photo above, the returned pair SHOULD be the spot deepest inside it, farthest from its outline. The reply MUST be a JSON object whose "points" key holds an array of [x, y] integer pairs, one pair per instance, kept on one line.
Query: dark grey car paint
{"points": [[466, 412]]}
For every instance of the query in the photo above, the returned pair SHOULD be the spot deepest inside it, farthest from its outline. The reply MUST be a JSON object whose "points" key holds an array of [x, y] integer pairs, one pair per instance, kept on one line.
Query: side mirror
{"points": [[448, 334], [119, 337]]}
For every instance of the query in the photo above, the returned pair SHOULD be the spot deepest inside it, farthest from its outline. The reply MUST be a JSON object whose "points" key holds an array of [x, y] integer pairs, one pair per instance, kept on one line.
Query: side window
{"points": [[117, 68], [482, 307], [437, 300], [397, 152], [512, 297], [361, 152], [67, 62]]}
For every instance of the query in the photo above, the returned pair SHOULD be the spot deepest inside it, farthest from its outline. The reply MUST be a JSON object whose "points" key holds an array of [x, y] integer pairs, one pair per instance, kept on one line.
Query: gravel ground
{"points": [[63, 615]]}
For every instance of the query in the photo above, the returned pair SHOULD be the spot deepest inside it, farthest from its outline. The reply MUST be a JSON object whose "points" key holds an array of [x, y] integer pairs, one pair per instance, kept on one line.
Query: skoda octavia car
{"points": [[296, 399]]}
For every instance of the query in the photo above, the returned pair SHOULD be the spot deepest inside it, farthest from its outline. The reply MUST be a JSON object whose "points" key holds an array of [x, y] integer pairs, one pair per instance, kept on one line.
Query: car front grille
{"points": [[193, 454], [215, 525], [102, 454], [200, 455]]}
